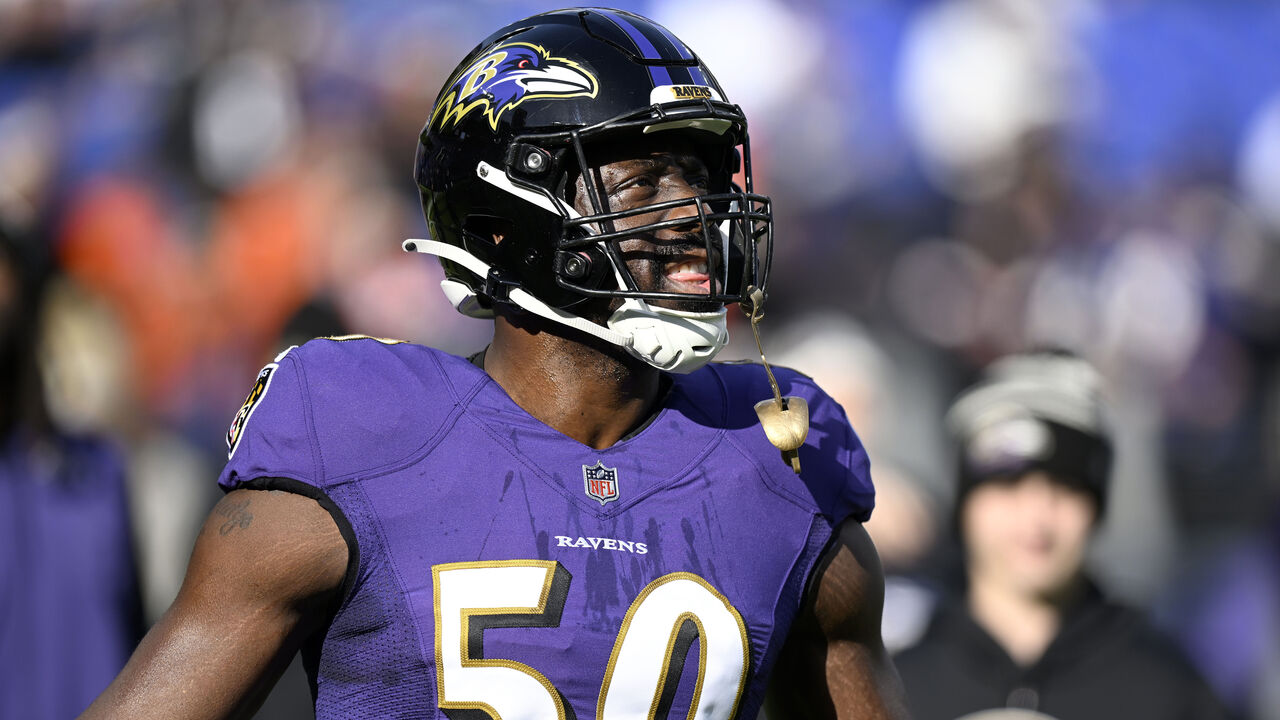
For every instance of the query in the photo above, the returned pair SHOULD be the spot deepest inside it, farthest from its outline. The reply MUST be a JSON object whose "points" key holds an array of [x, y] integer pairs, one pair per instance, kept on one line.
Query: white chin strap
{"points": [[673, 340]]}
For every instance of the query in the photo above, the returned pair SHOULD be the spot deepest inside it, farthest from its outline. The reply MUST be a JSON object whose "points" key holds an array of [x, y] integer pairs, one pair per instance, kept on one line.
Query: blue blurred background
{"points": [[213, 180]]}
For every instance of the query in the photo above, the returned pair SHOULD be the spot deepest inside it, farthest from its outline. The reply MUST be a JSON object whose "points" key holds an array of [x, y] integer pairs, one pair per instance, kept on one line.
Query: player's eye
{"points": [[641, 181], [524, 64], [641, 185]]}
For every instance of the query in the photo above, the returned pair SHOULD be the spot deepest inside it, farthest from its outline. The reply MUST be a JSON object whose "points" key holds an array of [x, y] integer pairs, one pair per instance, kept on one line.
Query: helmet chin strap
{"points": [[672, 340]]}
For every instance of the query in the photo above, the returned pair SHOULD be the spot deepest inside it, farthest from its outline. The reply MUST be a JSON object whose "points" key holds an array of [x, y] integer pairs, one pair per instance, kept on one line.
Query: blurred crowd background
{"points": [[209, 181]]}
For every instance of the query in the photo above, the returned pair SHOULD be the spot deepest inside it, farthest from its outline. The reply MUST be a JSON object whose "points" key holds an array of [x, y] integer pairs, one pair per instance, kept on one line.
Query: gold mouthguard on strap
{"points": [[785, 420]]}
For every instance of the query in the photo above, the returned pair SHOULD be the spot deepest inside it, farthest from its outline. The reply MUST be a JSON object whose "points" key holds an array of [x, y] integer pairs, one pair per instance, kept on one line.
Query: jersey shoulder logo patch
{"points": [[256, 394]]}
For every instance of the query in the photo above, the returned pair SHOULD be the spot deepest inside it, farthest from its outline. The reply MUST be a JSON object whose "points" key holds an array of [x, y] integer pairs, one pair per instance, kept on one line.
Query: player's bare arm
{"points": [[265, 573], [834, 664]]}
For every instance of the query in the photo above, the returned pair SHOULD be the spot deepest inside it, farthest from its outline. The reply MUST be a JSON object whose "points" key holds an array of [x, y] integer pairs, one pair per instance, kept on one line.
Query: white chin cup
{"points": [[673, 340]]}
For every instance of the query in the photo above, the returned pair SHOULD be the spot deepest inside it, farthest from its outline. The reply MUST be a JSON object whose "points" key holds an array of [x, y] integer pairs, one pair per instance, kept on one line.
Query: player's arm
{"points": [[265, 573], [834, 664]]}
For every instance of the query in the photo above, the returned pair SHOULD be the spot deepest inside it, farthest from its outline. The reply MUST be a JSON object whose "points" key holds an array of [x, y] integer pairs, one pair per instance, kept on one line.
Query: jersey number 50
{"points": [[650, 651]]}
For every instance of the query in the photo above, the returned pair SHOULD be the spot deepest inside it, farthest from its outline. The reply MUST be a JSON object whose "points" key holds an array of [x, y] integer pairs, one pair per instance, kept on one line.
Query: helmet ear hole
{"points": [[490, 229]]}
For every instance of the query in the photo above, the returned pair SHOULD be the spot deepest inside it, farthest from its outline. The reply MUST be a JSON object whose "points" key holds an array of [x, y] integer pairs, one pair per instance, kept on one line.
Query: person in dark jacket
{"points": [[1032, 636], [70, 608]]}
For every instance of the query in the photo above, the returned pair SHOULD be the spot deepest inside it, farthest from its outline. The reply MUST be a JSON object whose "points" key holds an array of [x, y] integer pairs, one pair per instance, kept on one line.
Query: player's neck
{"points": [[1023, 624], [592, 392]]}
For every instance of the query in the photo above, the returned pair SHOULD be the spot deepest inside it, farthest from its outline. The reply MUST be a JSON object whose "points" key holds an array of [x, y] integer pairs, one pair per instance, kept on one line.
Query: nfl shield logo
{"points": [[601, 482]]}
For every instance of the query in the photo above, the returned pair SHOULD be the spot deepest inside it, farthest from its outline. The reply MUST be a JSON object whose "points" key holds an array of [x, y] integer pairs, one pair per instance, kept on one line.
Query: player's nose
{"points": [[689, 211]]}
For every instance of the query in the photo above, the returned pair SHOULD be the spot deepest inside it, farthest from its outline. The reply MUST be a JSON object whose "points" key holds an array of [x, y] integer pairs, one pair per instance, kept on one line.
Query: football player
{"points": [[585, 520]]}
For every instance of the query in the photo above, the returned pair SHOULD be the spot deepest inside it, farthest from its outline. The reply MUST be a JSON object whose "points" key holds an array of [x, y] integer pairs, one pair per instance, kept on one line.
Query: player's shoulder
{"points": [[385, 385], [743, 383], [746, 373], [360, 365], [835, 479], [336, 406], [346, 350]]}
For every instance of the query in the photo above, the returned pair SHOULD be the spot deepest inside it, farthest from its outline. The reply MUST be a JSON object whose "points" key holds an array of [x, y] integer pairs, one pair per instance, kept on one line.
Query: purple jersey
{"points": [[502, 569]]}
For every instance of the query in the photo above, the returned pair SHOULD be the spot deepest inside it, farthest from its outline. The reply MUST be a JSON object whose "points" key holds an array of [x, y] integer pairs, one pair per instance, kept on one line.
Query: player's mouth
{"points": [[688, 275]]}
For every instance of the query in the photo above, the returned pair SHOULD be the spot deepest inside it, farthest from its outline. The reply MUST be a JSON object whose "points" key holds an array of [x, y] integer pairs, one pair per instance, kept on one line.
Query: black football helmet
{"points": [[515, 126]]}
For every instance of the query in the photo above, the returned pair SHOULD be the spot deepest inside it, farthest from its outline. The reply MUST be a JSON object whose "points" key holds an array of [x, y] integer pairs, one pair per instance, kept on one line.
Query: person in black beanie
{"points": [[1032, 636]]}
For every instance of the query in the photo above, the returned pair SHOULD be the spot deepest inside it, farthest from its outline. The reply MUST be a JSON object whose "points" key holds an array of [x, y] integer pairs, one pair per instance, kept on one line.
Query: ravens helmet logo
{"points": [[507, 76]]}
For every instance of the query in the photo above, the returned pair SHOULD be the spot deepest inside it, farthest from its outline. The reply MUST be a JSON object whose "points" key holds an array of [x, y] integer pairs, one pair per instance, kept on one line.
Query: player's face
{"points": [[1028, 534], [634, 175]]}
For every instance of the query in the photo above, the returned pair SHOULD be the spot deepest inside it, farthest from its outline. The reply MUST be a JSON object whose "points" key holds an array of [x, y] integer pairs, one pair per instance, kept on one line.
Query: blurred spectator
{"points": [[1032, 632], [70, 610]]}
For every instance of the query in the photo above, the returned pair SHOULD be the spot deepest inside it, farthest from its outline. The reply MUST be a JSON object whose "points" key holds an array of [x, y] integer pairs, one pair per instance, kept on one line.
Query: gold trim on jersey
{"points": [[554, 571], [344, 338]]}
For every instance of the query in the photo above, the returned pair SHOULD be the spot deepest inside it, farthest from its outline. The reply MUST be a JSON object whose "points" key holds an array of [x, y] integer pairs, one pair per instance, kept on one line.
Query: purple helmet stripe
{"points": [[695, 73], [681, 49], [657, 73]]}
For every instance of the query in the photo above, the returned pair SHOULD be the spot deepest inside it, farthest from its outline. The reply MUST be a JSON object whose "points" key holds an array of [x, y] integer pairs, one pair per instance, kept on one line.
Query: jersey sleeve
{"points": [[271, 434]]}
